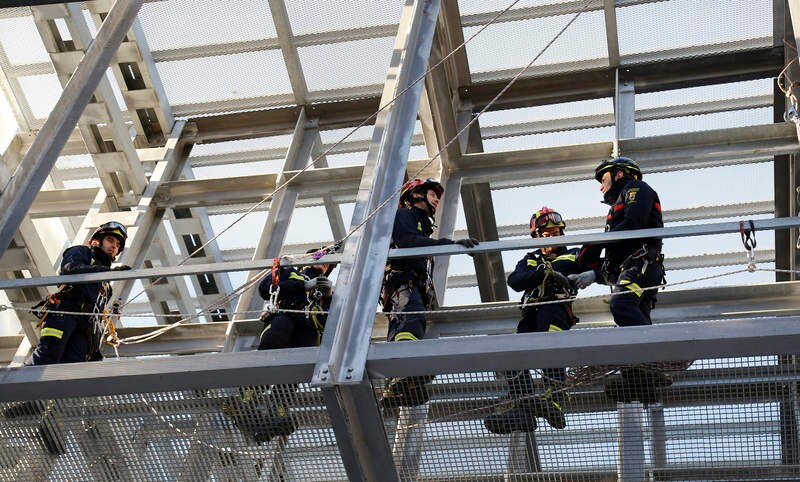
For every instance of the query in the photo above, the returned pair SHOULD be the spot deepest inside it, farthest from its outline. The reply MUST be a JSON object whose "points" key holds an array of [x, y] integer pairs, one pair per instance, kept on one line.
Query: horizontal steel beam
{"points": [[679, 341], [489, 246], [159, 374], [713, 303], [535, 166], [690, 150], [651, 75], [648, 75]]}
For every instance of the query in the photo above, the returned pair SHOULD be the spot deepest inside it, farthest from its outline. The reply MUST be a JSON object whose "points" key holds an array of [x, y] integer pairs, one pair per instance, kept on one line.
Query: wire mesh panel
{"points": [[245, 433], [715, 419]]}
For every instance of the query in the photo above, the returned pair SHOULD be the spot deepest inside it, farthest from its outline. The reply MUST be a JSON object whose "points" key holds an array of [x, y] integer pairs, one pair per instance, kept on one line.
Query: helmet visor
{"points": [[114, 227], [548, 219]]}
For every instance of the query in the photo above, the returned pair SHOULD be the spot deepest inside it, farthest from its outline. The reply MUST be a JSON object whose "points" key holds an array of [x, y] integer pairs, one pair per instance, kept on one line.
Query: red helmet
{"points": [[545, 218], [418, 185], [111, 228]]}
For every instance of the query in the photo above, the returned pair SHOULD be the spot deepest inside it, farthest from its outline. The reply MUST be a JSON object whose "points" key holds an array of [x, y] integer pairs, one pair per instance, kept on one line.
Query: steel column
{"points": [[630, 452], [17, 196], [612, 36], [658, 435], [346, 339], [341, 365], [624, 111]]}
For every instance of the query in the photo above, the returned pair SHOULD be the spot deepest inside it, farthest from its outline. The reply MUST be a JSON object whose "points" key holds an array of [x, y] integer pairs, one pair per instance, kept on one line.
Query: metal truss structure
{"points": [[130, 105]]}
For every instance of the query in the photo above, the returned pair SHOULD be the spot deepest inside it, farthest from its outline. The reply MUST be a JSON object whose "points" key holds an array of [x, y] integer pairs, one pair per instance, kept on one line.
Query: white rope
{"points": [[445, 310], [386, 201], [286, 183], [193, 438]]}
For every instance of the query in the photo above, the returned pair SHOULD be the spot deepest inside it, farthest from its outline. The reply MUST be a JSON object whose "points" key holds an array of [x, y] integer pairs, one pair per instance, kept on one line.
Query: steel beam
{"points": [[340, 368], [680, 341], [630, 451], [18, 194], [612, 37], [283, 28], [648, 75], [273, 233], [489, 246], [654, 154], [158, 374]]}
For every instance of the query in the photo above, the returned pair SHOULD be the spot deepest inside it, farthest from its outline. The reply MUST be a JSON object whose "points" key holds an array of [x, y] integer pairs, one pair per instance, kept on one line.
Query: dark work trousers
{"points": [[543, 318], [408, 297], [633, 308], [64, 339], [287, 330]]}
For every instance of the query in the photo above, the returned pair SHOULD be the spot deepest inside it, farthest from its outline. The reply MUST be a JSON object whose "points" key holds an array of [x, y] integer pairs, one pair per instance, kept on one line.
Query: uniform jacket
{"points": [[413, 227], [85, 297], [530, 275], [636, 207]]}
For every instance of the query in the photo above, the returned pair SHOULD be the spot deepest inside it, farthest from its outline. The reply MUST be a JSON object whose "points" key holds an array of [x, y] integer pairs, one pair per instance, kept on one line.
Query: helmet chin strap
{"points": [[431, 209]]}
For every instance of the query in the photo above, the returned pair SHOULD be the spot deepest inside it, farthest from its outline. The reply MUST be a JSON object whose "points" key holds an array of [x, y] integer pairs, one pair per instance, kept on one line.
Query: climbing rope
{"points": [[340, 242], [364, 122], [189, 316]]}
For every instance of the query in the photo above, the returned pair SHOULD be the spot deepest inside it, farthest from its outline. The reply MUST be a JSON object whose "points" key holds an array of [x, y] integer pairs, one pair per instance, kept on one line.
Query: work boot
{"points": [[517, 419], [49, 430], [638, 384], [259, 422], [23, 409], [547, 408], [406, 392]]}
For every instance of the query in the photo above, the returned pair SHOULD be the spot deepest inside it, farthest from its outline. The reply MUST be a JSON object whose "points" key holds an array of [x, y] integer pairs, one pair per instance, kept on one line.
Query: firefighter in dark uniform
{"points": [[542, 276], [260, 415], [631, 265], [71, 338], [77, 338], [408, 283]]}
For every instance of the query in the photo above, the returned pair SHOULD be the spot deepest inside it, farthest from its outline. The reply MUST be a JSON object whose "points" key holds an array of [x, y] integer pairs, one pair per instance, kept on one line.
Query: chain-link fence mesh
{"points": [[246, 433], [731, 419]]}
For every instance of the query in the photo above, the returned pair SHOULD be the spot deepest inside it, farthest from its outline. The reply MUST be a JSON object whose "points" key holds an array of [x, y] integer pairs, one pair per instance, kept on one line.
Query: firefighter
{"points": [[628, 266], [71, 338], [540, 276], [408, 283], [77, 338], [261, 415]]}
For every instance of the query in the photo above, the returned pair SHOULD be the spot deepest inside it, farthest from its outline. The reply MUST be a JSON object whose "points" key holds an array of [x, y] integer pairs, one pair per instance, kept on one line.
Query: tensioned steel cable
{"points": [[286, 183], [388, 199]]}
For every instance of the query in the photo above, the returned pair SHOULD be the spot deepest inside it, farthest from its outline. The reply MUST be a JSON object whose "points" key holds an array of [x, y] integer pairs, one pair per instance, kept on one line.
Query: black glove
{"points": [[266, 316], [467, 242], [562, 281], [96, 356], [122, 267]]}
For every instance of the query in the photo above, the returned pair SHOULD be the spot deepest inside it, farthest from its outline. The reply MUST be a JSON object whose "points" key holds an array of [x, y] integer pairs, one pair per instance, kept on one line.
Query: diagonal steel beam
{"points": [[273, 233], [17, 196]]}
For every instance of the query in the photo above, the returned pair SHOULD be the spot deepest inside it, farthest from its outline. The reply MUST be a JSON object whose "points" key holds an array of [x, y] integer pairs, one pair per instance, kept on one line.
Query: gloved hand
{"points": [[582, 280], [562, 281], [467, 242], [122, 267], [319, 283], [96, 356]]}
